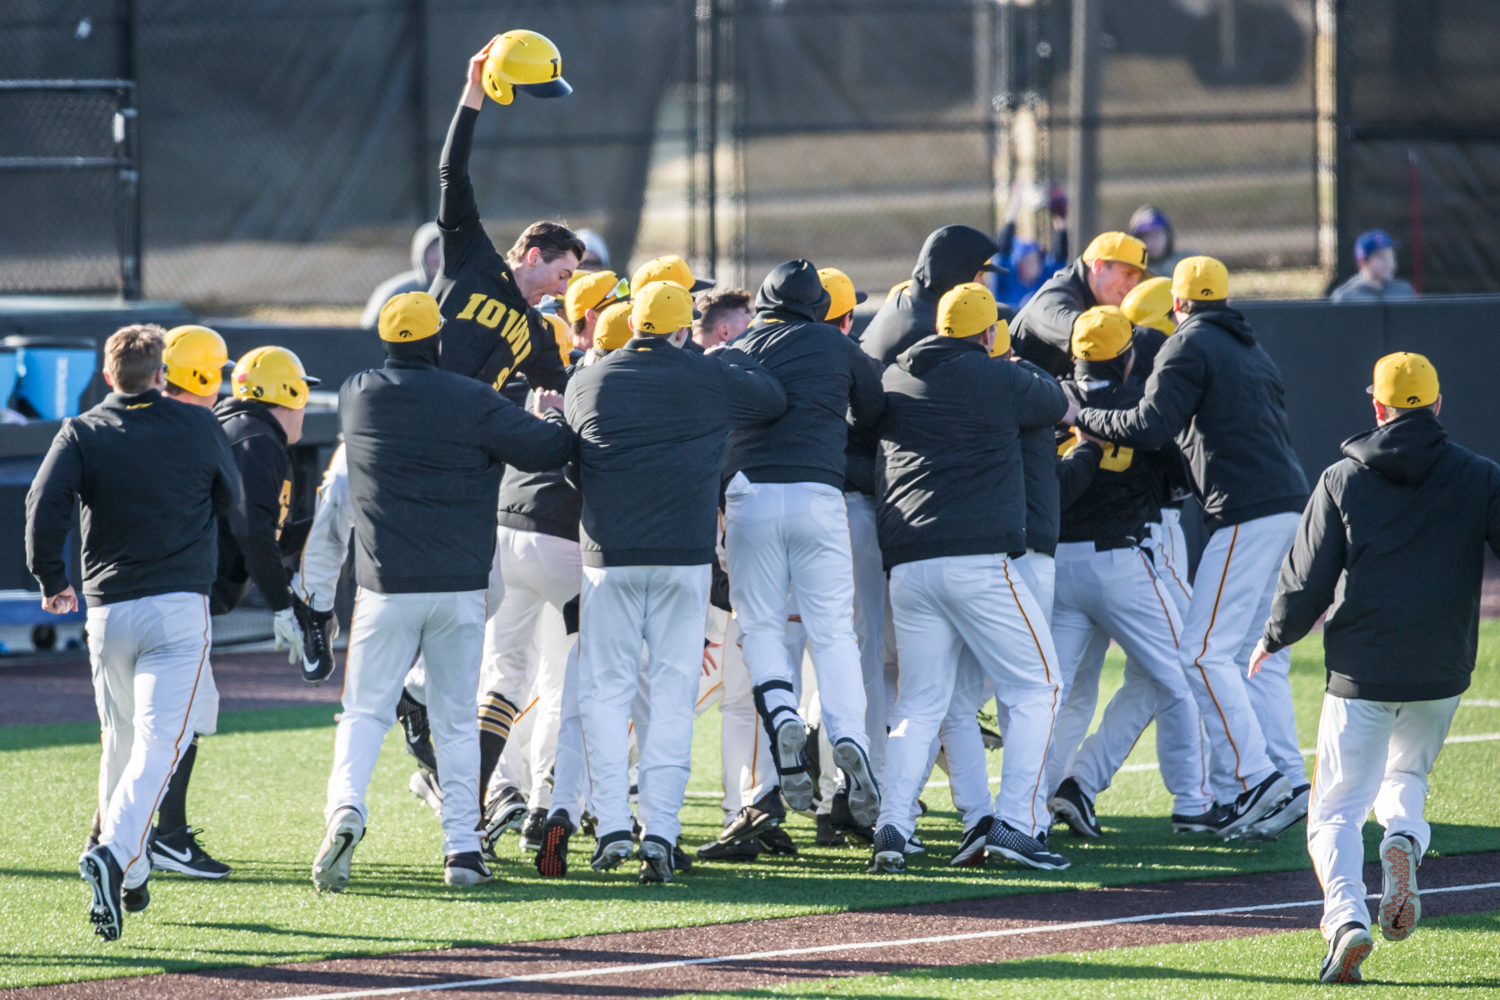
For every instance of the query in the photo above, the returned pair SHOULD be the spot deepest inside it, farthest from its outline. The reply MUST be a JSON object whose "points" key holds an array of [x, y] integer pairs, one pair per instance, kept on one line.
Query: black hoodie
{"points": [[951, 256], [951, 481], [1393, 539], [259, 447], [1042, 331], [825, 375], [1218, 392], [1123, 494]]}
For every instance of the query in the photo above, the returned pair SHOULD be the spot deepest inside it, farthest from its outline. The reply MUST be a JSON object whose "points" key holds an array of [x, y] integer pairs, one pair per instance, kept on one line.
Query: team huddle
{"points": [[849, 542]]}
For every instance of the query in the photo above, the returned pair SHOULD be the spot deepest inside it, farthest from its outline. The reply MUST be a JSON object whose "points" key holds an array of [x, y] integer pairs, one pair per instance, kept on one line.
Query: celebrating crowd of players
{"points": [[850, 544]]}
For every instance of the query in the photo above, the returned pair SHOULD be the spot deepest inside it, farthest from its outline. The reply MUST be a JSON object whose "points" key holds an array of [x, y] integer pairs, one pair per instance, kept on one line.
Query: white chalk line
{"points": [[678, 963]]}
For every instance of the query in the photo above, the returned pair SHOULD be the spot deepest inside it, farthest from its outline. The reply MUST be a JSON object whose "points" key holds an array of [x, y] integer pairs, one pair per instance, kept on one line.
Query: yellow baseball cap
{"points": [[661, 308], [409, 317], [1150, 304], [1405, 380], [966, 310], [842, 294], [612, 332], [1001, 343], [897, 289], [195, 357], [669, 268], [593, 290], [1200, 279], [561, 334], [1101, 334], [1120, 247]]}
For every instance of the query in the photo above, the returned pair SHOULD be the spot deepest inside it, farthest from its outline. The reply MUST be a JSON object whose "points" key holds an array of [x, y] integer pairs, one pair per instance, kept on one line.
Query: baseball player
{"points": [[1393, 542], [1107, 588], [1218, 392], [723, 314], [648, 414], [424, 449], [786, 526], [1042, 332], [149, 544], [952, 519], [589, 294]]}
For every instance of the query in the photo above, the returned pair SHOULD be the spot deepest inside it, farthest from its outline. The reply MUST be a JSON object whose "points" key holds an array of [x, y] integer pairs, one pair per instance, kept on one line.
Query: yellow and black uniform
{"points": [[489, 331], [260, 452]]}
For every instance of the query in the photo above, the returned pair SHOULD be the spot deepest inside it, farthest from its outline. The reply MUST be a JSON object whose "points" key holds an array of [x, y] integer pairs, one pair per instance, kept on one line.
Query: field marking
{"points": [[616, 970]]}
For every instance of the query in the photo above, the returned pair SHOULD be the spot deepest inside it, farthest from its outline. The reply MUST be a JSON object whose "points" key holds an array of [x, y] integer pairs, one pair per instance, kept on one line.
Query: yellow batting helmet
{"points": [[1150, 304], [525, 61], [195, 357], [272, 375]]}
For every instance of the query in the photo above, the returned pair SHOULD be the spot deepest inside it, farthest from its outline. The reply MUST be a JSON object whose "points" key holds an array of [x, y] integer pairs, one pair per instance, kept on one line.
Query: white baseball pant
{"points": [[780, 536], [622, 607], [149, 658], [388, 633], [744, 751], [1117, 595], [869, 619], [981, 601], [1371, 754], [494, 595], [1250, 724], [316, 581], [958, 736]]}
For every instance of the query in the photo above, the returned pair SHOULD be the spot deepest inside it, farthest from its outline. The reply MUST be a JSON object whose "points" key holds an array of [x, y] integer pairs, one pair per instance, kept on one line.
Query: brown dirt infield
{"points": [[1012, 913]]}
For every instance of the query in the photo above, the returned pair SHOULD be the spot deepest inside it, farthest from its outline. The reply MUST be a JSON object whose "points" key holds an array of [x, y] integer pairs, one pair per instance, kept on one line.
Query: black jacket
{"points": [[154, 475], [1042, 331], [1393, 538], [543, 502], [951, 478], [259, 447], [826, 377], [951, 256], [652, 420], [1123, 494], [1045, 477], [1218, 392], [425, 449], [489, 330]]}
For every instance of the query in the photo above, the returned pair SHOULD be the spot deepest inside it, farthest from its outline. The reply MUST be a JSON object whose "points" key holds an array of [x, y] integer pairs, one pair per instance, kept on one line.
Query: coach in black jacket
{"points": [[786, 526], [425, 448], [652, 421], [1393, 541]]}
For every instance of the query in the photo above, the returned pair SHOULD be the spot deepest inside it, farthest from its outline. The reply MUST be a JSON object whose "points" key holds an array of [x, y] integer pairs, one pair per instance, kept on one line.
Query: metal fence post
{"points": [[1083, 157]]}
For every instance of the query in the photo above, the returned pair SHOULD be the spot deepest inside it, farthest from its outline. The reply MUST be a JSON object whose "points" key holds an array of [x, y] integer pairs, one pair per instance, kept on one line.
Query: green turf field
{"points": [[1446, 957], [258, 792]]}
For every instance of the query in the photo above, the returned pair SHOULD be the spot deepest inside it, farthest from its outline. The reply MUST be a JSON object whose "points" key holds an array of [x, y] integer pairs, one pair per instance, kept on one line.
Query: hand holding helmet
{"points": [[517, 60]]}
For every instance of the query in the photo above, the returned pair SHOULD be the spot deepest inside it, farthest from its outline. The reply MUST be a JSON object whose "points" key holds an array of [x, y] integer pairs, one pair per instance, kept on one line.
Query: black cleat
{"points": [[1256, 802], [467, 868], [317, 641], [552, 856], [1008, 842], [790, 754], [531, 830], [1074, 808], [863, 791], [970, 853], [1350, 945], [1276, 822], [102, 872], [178, 851], [889, 854], [506, 810], [656, 859], [412, 715], [777, 841], [136, 900], [828, 836], [611, 850], [681, 862], [1212, 820], [741, 850], [843, 820]]}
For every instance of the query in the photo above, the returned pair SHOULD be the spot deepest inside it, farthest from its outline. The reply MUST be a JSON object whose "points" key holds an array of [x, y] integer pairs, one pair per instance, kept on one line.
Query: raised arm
{"points": [[1173, 393], [49, 511], [755, 395], [1310, 573], [458, 212]]}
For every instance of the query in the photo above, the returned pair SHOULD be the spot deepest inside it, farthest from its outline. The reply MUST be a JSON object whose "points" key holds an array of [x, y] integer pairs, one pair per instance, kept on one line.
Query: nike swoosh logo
{"points": [[184, 857]]}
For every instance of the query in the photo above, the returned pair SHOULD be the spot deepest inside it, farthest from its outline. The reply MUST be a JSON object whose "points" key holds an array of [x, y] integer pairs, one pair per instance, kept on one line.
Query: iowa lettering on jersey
{"points": [[513, 326], [1117, 458]]}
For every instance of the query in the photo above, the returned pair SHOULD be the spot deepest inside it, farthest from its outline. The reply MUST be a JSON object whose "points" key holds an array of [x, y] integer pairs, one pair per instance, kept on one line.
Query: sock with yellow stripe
{"points": [[496, 715]]}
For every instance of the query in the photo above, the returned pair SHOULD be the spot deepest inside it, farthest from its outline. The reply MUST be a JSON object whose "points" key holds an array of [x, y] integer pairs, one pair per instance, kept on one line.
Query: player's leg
{"points": [[1416, 740], [927, 639], [968, 770], [384, 639], [869, 619], [173, 635], [1138, 612], [1353, 742], [554, 643], [452, 638], [1080, 643], [174, 846], [112, 651], [1004, 626], [612, 616], [676, 604], [1170, 554], [1232, 576], [508, 667]]}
